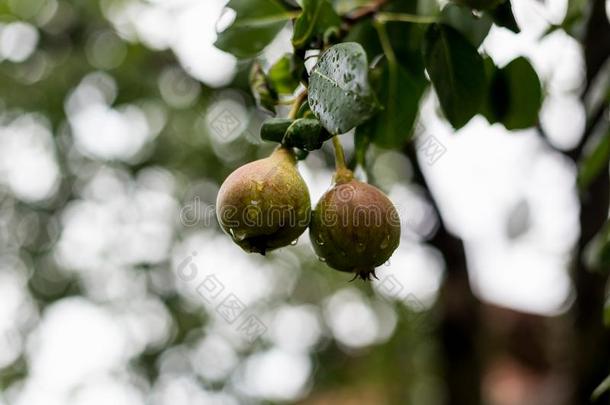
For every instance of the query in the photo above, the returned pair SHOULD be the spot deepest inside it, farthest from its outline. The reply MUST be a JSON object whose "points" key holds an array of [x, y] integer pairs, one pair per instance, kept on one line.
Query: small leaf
{"points": [[516, 95], [462, 19], [503, 16], [596, 161], [601, 389], [274, 129], [306, 134], [399, 93], [284, 75], [456, 71], [317, 18], [305, 111], [339, 91], [256, 24], [262, 90]]}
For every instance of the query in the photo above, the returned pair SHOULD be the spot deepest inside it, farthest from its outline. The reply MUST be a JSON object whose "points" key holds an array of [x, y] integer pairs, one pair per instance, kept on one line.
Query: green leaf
{"points": [[262, 90], [364, 33], [284, 75], [399, 93], [601, 389], [462, 19], [504, 17], [256, 24], [317, 18], [515, 95], [595, 161], [306, 134], [406, 39], [339, 91], [456, 71], [305, 111]]}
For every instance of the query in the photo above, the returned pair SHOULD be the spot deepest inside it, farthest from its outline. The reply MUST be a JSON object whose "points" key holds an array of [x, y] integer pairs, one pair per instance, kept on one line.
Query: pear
{"points": [[265, 204], [354, 227]]}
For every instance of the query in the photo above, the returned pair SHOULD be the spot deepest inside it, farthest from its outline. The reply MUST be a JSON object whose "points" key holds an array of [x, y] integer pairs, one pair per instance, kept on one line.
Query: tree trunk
{"points": [[460, 312]]}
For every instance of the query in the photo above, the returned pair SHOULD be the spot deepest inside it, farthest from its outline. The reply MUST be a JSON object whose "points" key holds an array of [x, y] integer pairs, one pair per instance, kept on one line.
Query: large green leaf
{"points": [[515, 95], [399, 94], [339, 91], [406, 39], [317, 18], [473, 27], [256, 23], [366, 35], [456, 71]]}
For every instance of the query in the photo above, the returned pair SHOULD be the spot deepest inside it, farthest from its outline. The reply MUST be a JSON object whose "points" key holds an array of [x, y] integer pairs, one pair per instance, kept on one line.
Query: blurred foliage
{"points": [[386, 64]]}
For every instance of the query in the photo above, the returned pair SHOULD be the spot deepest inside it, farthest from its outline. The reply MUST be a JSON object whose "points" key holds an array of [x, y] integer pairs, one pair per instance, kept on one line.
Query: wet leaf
{"points": [[339, 91]]}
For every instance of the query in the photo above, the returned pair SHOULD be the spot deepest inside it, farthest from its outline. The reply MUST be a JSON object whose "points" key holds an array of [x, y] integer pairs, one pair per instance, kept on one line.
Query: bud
{"points": [[264, 205], [355, 227]]}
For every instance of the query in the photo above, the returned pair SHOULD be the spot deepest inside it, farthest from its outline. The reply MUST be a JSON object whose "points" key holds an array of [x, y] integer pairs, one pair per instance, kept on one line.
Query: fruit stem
{"points": [[297, 104], [343, 174], [404, 17]]}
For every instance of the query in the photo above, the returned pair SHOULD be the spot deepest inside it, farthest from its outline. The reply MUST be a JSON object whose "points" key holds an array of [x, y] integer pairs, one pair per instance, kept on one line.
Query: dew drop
{"points": [[239, 235], [294, 242], [323, 260]]}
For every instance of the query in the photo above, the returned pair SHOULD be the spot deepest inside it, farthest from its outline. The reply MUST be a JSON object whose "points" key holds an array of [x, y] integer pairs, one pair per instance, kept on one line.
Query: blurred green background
{"points": [[118, 122]]}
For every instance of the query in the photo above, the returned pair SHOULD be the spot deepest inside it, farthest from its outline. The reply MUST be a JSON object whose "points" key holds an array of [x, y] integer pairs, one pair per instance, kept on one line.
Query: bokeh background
{"points": [[119, 120]]}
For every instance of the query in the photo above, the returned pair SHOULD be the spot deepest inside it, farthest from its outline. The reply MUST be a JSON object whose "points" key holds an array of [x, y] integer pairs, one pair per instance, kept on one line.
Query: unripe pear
{"points": [[354, 227], [264, 205]]}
